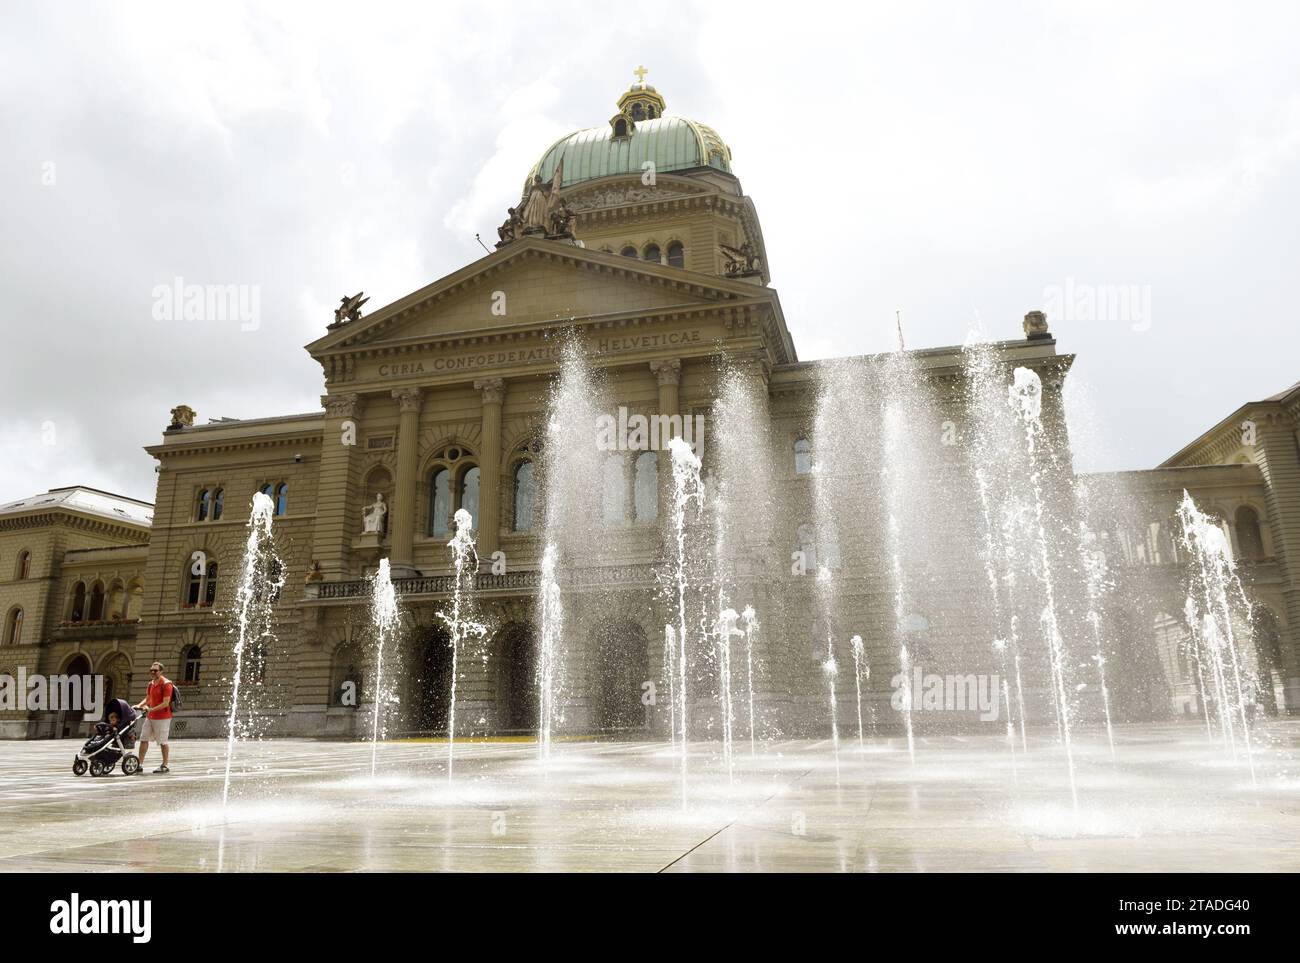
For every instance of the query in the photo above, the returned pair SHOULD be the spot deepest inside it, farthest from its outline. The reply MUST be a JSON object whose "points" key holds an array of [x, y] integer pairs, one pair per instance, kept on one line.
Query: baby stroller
{"points": [[110, 743]]}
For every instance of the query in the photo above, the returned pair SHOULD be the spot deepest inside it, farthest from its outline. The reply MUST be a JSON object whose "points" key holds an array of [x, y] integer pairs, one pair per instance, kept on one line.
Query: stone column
{"points": [[489, 466], [668, 372], [334, 528], [401, 523]]}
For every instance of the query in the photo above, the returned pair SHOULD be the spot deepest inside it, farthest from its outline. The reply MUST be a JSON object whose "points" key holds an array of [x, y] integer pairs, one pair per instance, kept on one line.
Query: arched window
{"points": [[645, 487], [210, 585], [1249, 540], [218, 503], [194, 590], [612, 490], [806, 539], [628, 251], [14, 627], [676, 254], [620, 128], [96, 602], [638, 112], [24, 564], [281, 498], [802, 456], [468, 495], [78, 602], [440, 502], [201, 510], [525, 496], [201, 584], [193, 662], [650, 112], [651, 253]]}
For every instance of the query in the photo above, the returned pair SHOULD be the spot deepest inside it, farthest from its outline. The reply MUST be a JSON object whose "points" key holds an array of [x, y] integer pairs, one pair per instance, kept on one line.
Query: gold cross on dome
{"points": [[640, 75]]}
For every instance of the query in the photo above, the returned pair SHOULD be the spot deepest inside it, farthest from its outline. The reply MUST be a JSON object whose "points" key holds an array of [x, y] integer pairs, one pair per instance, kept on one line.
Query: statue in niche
{"points": [[372, 517]]}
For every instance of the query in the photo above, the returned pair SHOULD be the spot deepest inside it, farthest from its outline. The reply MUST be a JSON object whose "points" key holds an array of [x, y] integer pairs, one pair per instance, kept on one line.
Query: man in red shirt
{"points": [[158, 722]]}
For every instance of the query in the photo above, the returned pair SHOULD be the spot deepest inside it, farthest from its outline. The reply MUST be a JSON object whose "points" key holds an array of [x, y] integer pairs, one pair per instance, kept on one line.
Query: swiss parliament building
{"points": [[636, 237]]}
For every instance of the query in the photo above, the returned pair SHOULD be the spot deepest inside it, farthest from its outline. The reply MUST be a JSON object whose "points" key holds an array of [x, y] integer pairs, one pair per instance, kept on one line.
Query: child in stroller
{"points": [[113, 739]]}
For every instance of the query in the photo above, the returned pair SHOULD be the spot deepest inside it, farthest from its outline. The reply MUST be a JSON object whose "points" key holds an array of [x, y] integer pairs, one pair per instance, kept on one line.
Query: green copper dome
{"points": [[624, 145]]}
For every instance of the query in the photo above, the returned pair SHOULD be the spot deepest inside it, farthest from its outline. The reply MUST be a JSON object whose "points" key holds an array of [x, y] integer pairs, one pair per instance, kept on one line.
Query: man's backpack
{"points": [[176, 698]]}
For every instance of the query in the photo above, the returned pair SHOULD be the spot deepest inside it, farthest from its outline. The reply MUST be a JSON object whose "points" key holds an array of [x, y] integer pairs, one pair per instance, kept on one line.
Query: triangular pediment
{"points": [[535, 283]]}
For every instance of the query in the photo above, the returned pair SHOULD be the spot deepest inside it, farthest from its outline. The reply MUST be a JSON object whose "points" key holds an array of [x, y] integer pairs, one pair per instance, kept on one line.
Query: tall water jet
{"points": [[1098, 582], [831, 670], [1214, 591], [751, 627], [260, 581], [548, 654], [687, 493], [669, 672], [383, 617], [859, 664], [574, 453], [1026, 398], [727, 630], [740, 491], [993, 437], [460, 627], [905, 671]]}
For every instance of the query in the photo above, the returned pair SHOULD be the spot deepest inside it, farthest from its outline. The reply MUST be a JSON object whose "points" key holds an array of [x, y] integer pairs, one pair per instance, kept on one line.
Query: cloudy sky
{"points": [[959, 163]]}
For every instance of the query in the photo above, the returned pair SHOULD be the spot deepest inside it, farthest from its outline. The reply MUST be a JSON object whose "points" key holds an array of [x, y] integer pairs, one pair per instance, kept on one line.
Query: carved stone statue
{"points": [[349, 309], [561, 221], [315, 573], [1036, 325], [372, 517], [182, 417], [509, 231], [741, 261], [540, 200]]}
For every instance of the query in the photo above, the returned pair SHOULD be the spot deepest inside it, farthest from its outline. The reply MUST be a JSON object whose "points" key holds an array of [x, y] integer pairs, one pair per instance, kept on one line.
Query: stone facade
{"points": [[438, 401]]}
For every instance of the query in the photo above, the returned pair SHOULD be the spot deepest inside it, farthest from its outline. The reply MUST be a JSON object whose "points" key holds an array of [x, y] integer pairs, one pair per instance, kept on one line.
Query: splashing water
{"points": [[831, 670], [548, 655], [726, 631], [384, 617], [260, 581], [1026, 397], [751, 627], [1214, 591], [1098, 581], [686, 490], [459, 626], [859, 665]]}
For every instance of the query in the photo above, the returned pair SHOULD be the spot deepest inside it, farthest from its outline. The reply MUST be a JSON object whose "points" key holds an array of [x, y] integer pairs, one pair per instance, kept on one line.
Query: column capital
{"points": [[409, 399], [668, 371], [343, 405], [494, 390]]}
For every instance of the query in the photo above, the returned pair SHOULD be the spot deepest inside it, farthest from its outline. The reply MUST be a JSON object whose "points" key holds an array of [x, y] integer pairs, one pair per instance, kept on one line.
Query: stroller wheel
{"points": [[79, 767], [96, 767], [130, 765]]}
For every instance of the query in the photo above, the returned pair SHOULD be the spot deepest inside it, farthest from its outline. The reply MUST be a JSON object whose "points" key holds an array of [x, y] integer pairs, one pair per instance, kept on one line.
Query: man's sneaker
{"points": [[161, 769]]}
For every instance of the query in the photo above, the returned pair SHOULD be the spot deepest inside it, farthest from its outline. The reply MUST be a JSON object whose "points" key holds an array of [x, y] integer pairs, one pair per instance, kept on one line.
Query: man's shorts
{"points": [[156, 730]]}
